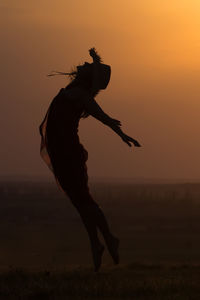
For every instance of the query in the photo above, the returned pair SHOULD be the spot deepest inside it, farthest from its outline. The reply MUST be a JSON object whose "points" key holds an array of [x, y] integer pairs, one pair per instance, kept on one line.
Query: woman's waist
{"points": [[72, 148], [64, 139]]}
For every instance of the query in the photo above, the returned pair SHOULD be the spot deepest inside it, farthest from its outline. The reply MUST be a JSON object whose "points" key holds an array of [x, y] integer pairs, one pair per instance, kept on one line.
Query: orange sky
{"points": [[153, 49]]}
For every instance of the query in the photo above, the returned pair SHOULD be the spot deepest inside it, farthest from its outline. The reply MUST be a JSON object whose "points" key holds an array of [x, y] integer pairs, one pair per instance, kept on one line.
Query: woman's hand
{"points": [[128, 140], [115, 125]]}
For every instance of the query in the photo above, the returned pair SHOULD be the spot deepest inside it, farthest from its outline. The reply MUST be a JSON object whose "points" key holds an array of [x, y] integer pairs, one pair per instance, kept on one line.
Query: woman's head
{"points": [[94, 75], [84, 75], [84, 68]]}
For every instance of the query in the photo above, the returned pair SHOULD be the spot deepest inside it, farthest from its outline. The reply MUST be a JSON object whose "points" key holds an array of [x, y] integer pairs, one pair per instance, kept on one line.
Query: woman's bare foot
{"points": [[97, 252]]}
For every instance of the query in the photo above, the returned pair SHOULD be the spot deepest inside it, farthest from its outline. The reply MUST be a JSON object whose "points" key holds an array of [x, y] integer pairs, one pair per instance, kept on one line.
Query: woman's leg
{"points": [[111, 241], [93, 218], [89, 222], [76, 187]]}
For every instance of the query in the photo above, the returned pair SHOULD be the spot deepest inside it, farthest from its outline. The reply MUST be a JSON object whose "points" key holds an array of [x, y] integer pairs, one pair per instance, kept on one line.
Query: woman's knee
{"points": [[85, 204]]}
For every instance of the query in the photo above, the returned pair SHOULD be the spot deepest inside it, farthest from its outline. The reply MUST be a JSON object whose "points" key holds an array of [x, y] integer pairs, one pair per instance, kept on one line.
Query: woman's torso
{"points": [[63, 119]]}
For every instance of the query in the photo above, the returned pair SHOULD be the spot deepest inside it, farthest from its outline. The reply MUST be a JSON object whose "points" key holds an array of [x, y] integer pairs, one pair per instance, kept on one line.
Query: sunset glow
{"points": [[153, 48]]}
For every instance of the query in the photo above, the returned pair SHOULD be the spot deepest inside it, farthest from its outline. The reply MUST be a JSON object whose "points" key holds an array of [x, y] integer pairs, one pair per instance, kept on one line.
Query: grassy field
{"points": [[45, 252], [132, 281]]}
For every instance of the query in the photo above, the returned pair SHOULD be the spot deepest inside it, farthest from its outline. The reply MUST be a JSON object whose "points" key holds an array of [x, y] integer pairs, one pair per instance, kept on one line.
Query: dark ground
{"points": [[45, 252]]}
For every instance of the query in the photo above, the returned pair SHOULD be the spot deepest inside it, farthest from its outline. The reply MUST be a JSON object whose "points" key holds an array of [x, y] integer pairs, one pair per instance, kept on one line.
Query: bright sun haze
{"points": [[153, 49]]}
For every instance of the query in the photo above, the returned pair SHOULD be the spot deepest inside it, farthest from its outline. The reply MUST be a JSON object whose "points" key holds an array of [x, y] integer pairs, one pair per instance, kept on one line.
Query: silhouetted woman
{"points": [[66, 157]]}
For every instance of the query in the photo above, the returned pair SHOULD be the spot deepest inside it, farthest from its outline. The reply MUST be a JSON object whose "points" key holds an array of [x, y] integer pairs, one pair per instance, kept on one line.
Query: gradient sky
{"points": [[153, 48]]}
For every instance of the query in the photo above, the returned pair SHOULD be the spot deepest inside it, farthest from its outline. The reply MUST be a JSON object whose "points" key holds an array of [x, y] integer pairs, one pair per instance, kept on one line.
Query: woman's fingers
{"points": [[136, 144], [128, 139], [127, 142]]}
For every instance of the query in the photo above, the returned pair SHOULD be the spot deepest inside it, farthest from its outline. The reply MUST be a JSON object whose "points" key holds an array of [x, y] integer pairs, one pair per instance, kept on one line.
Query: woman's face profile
{"points": [[84, 69]]}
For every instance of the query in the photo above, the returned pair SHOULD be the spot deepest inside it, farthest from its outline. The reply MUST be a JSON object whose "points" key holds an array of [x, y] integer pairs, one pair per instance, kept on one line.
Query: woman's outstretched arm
{"points": [[92, 107]]}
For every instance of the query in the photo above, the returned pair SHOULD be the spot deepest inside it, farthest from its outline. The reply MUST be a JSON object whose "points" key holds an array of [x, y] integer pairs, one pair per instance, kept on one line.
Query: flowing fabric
{"points": [[60, 146]]}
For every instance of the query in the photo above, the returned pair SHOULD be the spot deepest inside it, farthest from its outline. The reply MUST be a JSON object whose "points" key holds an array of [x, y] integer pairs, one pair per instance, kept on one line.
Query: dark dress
{"points": [[61, 148]]}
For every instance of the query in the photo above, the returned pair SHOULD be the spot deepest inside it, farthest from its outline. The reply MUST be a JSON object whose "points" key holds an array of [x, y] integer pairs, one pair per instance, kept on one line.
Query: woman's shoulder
{"points": [[77, 95], [76, 92], [67, 98]]}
